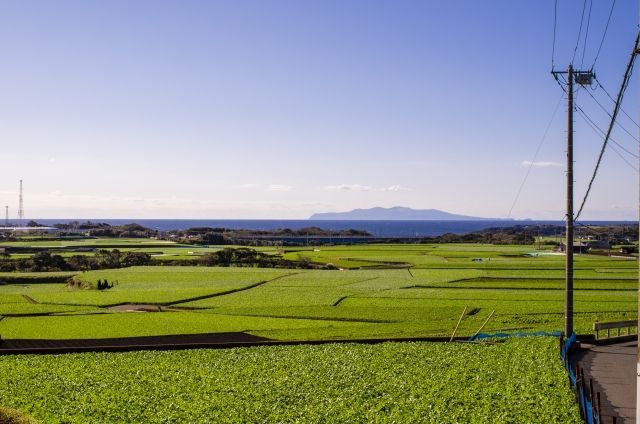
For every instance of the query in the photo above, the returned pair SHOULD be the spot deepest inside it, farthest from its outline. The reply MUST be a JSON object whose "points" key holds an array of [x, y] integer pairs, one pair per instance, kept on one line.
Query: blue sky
{"points": [[279, 109]]}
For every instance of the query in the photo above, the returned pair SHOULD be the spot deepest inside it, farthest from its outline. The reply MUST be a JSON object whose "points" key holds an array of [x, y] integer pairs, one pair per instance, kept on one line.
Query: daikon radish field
{"points": [[403, 290], [520, 380]]}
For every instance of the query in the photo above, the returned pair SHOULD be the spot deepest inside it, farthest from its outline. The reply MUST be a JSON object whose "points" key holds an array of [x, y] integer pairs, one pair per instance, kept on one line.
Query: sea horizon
{"points": [[378, 228]]}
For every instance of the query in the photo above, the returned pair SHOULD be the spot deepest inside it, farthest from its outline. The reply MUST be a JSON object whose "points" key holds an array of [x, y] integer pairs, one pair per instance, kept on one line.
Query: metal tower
{"points": [[20, 206]]}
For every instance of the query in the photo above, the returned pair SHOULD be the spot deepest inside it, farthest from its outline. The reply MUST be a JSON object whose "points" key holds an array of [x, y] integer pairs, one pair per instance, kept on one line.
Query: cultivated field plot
{"points": [[157, 249], [425, 298], [90, 242], [520, 380]]}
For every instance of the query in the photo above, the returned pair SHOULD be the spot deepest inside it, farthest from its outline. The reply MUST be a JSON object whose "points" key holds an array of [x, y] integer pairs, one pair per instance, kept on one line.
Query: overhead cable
{"points": [[623, 88], [555, 23], [535, 156], [610, 116], [604, 35], [584, 7], [586, 34], [601, 133], [614, 101]]}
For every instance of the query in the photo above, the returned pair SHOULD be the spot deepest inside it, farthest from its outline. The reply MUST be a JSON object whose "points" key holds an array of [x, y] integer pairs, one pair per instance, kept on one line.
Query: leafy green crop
{"points": [[516, 381]]}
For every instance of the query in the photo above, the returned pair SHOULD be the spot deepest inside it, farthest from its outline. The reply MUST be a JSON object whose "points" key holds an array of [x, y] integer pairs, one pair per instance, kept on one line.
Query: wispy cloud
{"points": [[279, 187], [56, 204], [359, 187], [395, 188], [270, 187], [541, 164], [348, 187]]}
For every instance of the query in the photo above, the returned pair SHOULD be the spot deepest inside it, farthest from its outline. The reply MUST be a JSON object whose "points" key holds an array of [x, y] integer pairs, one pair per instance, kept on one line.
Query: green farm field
{"points": [[408, 290], [157, 249], [520, 380], [87, 242]]}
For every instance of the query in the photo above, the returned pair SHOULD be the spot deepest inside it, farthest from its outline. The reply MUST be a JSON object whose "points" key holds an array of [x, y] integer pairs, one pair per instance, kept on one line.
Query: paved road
{"points": [[613, 370]]}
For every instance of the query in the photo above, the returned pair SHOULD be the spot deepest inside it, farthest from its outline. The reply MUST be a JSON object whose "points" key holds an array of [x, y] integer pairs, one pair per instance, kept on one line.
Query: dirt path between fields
{"points": [[174, 342], [209, 296]]}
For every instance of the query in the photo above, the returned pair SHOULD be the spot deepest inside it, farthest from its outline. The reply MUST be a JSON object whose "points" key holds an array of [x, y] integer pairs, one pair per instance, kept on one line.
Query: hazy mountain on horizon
{"points": [[396, 213]]}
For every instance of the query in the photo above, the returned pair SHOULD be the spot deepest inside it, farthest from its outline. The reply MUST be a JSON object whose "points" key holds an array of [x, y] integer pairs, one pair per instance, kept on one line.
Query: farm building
{"points": [[627, 250], [598, 244], [578, 247]]}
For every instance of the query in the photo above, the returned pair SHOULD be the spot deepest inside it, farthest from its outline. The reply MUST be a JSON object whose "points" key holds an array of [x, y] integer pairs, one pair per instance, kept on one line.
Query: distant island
{"points": [[396, 213]]}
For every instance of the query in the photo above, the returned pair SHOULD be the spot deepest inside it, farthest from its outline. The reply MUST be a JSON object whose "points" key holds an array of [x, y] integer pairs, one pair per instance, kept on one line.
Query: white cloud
{"points": [[358, 187], [395, 188], [57, 204], [279, 187], [541, 164], [348, 187], [271, 187]]}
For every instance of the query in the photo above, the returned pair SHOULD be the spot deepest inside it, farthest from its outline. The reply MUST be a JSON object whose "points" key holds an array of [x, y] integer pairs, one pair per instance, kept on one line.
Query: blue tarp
{"points": [[481, 336], [586, 408]]}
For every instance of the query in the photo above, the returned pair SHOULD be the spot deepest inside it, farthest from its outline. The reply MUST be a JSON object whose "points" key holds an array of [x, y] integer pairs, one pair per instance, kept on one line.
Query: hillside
{"points": [[396, 213]]}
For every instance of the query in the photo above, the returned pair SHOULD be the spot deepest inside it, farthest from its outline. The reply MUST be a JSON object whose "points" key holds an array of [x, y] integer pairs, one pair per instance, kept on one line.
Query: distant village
{"points": [[588, 239]]}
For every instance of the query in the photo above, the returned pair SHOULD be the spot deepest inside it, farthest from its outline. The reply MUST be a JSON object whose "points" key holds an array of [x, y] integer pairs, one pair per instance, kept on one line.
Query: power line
{"points": [[555, 23], [588, 227], [535, 156], [610, 116], [635, 155], [604, 34], [586, 34], [601, 132], [584, 7], [555, 76], [623, 158], [631, 165], [614, 101], [623, 88]]}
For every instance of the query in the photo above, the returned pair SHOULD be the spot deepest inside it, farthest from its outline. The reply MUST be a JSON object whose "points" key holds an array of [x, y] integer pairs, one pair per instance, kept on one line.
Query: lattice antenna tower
{"points": [[20, 206]]}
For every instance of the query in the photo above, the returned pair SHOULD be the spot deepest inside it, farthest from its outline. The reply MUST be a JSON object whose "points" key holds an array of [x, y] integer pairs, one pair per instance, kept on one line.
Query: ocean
{"points": [[376, 228]]}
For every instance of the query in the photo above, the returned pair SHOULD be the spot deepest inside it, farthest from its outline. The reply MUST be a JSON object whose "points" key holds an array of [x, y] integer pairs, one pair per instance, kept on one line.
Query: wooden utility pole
{"points": [[568, 287], [637, 51], [583, 78], [638, 328]]}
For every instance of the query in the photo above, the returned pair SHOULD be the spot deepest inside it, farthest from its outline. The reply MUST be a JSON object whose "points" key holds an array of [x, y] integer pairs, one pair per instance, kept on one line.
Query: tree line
{"points": [[45, 261]]}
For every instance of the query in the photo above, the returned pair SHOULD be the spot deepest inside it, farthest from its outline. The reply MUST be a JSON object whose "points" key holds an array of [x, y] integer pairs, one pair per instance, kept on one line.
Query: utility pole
{"points": [[568, 287], [583, 78], [636, 52], [20, 207]]}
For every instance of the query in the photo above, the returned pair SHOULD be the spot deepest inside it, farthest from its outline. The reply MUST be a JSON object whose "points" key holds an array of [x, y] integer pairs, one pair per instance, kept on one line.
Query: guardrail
{"points": [[588, 400], [618, 325]]}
